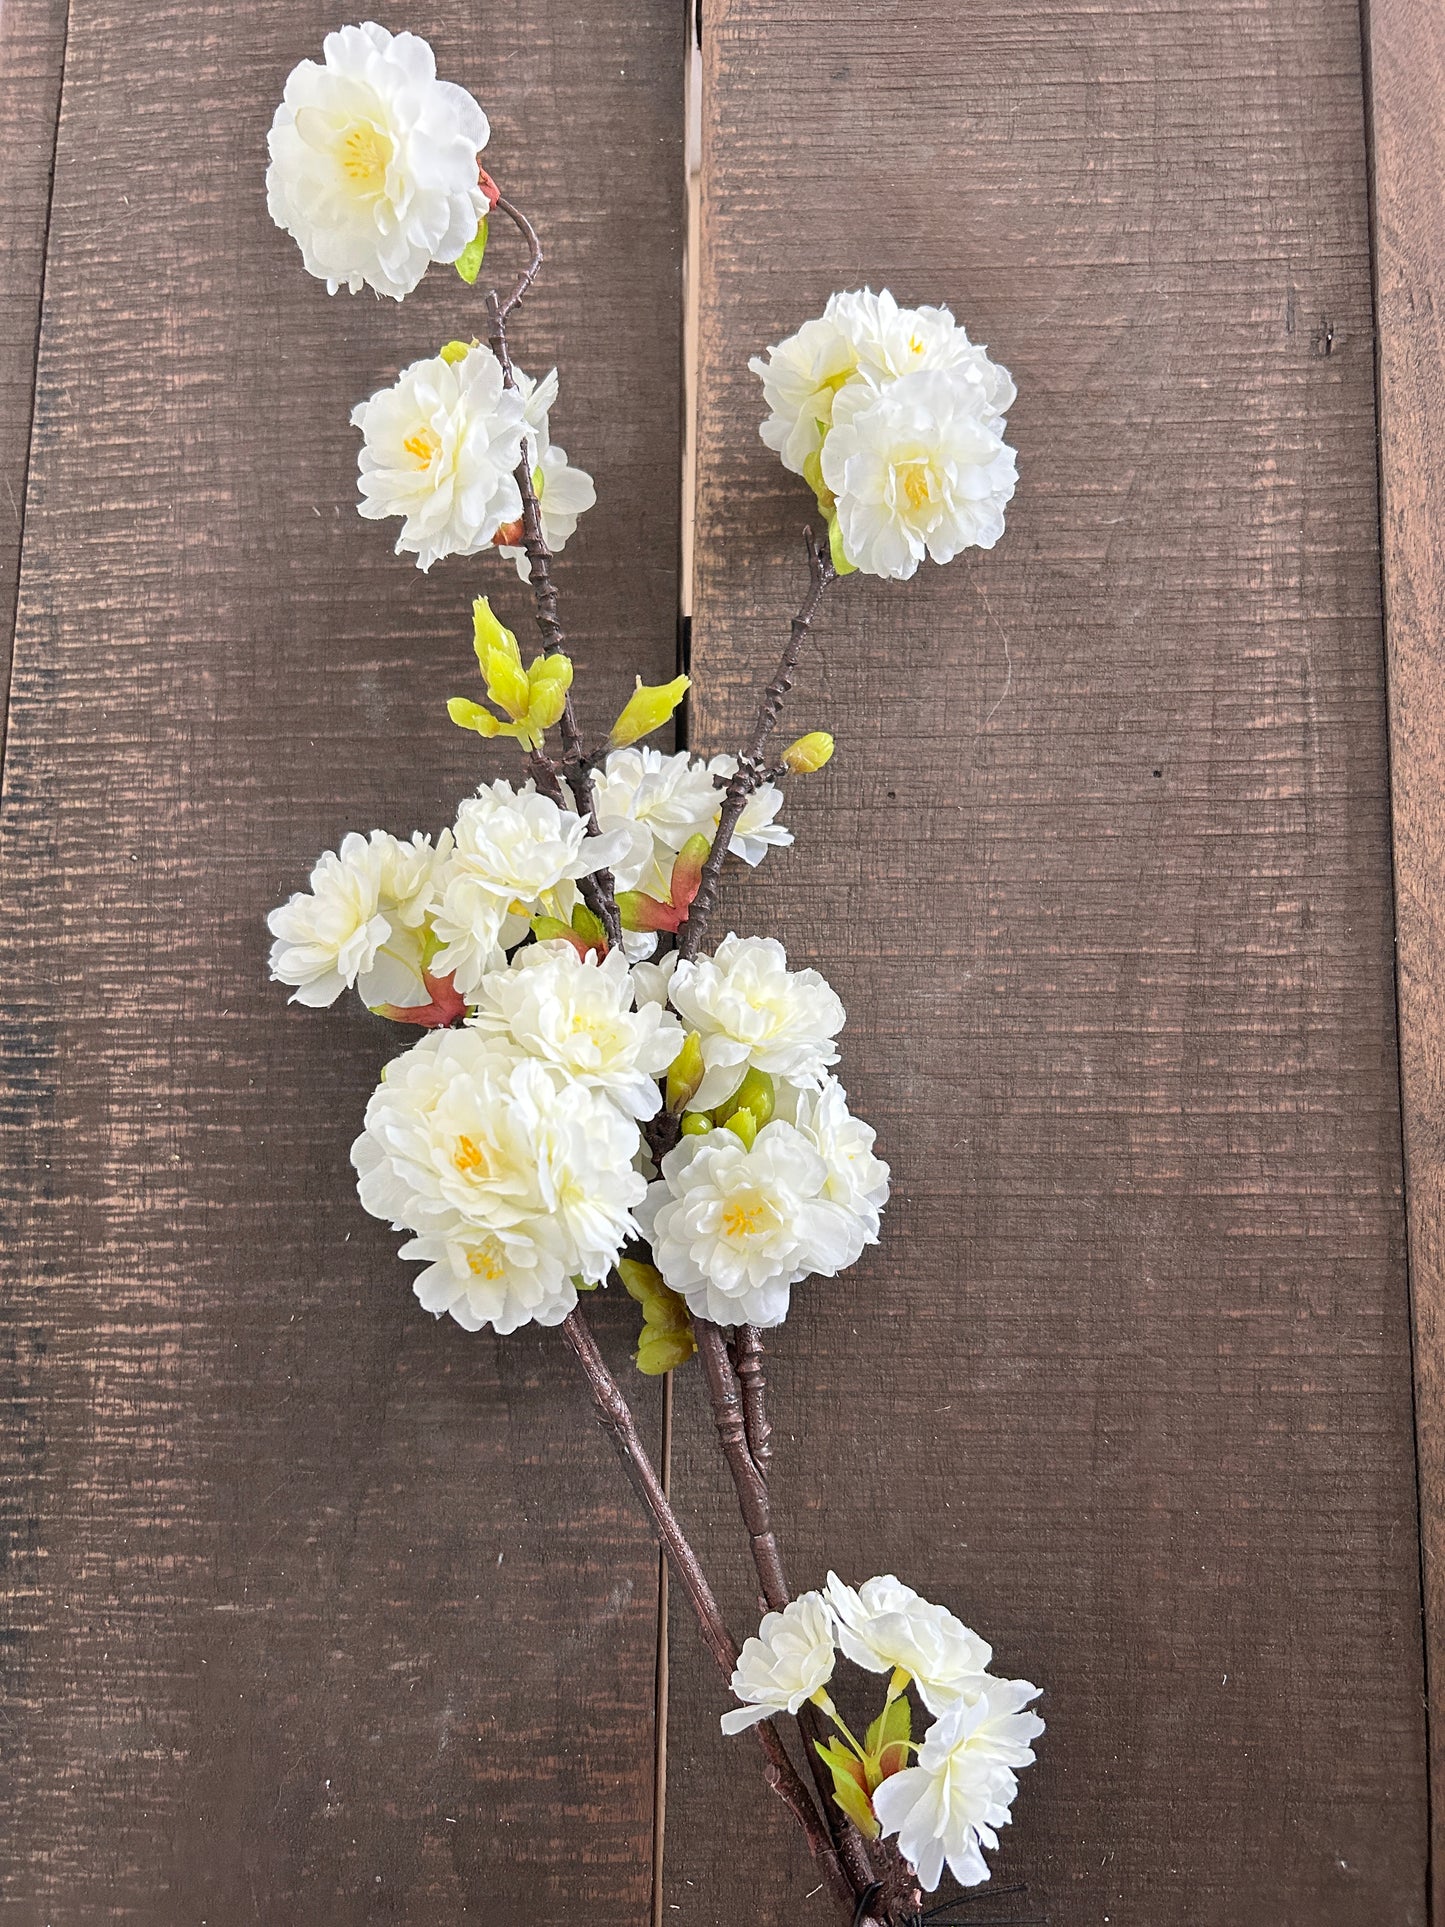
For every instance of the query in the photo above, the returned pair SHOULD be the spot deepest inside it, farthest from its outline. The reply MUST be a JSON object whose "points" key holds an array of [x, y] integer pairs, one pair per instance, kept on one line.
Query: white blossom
{"points": [[514, 1176], [947, 1806], [513, 851], [361, 924], [857, 1181], [578, 1014], [885, 1625], [659, 801], [917, 470], [787, 1661], [801, 377], [890, 341], [564, 493], [733, 1229], [439, 449], [374, 162], [752, 1012]]}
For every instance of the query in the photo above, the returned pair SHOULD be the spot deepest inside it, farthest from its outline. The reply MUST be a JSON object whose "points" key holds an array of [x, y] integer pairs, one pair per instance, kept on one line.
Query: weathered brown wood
{"points": [[1102, 870], [1407, 85], [32, 53], [319, 1612]]}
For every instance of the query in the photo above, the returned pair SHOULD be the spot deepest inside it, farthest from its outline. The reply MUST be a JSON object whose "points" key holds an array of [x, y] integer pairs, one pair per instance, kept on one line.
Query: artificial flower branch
{"points": [[594, 1095], [833, 1842]]}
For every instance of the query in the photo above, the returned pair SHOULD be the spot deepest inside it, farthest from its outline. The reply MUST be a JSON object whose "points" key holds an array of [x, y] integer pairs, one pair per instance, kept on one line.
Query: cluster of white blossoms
{"points": [[945, 1806], [896, 421], [773, 1180], [374, 162]]}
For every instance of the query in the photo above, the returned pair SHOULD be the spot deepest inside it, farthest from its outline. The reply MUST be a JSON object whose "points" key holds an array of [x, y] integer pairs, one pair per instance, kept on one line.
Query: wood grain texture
{"points": [[317, 1611], [32, 54], [1407, 85], [1102, 871]]}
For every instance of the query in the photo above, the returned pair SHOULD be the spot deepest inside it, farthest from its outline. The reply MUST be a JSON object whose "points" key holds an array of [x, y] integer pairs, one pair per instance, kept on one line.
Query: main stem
{"points": [[616, 1415]]}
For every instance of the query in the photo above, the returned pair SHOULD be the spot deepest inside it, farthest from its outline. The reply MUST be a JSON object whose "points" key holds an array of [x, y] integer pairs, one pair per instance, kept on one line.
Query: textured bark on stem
{"points": [[598, 890], [750, 770], [616, 1416], [748, 1363], [748, 1481]]}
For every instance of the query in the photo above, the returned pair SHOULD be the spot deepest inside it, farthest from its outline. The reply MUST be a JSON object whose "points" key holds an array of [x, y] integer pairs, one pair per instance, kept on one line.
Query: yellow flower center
{"points": [[917, 481], [365, 155], [486, 1263], [744, 1217], [915, 344], [421, 445], [469, 1158]]}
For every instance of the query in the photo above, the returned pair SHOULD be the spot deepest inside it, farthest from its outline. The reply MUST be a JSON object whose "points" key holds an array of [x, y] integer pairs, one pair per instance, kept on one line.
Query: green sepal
{"points": [[666, 1339], [455, 351], [743, 1125], [887, 1741], [841, 564], [468, 263], [469, 715], [696, 1124], [848, 1790], [588, 925]]}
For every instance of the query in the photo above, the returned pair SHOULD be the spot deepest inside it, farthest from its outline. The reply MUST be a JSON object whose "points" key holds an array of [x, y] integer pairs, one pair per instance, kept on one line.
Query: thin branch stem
{"points": [[598, 890], [750, 1485], [616, 1416], [748, 1363], [749, 772]]}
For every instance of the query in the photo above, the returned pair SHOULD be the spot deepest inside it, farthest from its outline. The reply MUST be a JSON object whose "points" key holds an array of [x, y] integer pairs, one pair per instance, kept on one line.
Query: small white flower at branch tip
{"points": [[946, 1808], [577, 1013], [516, 1179], [360, 926], [734, 1229], [886, 1625], [439, 449], [753, 1013], [513, 852], [374, 162], [916, 471], [787, 1661]]}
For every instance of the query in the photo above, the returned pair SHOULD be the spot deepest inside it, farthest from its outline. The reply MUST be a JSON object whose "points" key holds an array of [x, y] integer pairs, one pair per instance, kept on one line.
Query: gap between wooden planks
{"points": [[1406, 45]]}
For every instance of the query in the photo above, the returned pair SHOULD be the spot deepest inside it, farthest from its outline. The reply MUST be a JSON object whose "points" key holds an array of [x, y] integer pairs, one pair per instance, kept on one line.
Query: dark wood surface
{"points": [[32, 51], [319, 1611], [1102, 871], [1407, 71]]}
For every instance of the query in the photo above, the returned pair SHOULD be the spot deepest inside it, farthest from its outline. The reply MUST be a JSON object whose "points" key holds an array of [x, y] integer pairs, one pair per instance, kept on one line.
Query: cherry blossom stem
{"points": [[748, 1363], [616, 1416], [748, 1479], [750, 770], [751, 1485], [598, 890]]}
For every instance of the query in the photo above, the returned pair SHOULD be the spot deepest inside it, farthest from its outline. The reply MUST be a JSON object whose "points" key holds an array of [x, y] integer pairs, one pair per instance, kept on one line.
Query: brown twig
{"points": [[598, 890], [751, 1486], [748, 1364], [749, 772], [616, 1416]]}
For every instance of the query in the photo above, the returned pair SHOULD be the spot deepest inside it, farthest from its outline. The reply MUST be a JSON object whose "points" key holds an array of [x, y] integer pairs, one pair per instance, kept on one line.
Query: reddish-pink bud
{"points": [[446, 1006]]}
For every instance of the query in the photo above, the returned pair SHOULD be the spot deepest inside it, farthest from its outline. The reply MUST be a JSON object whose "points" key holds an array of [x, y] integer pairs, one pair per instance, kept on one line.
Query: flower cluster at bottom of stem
{"points": [[944, 1796]]}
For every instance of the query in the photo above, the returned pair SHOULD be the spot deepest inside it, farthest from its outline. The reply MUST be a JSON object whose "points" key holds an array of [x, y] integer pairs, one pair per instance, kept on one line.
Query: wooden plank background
{"points": [[1101, 871], [319, 1612], [1407, 47]]}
